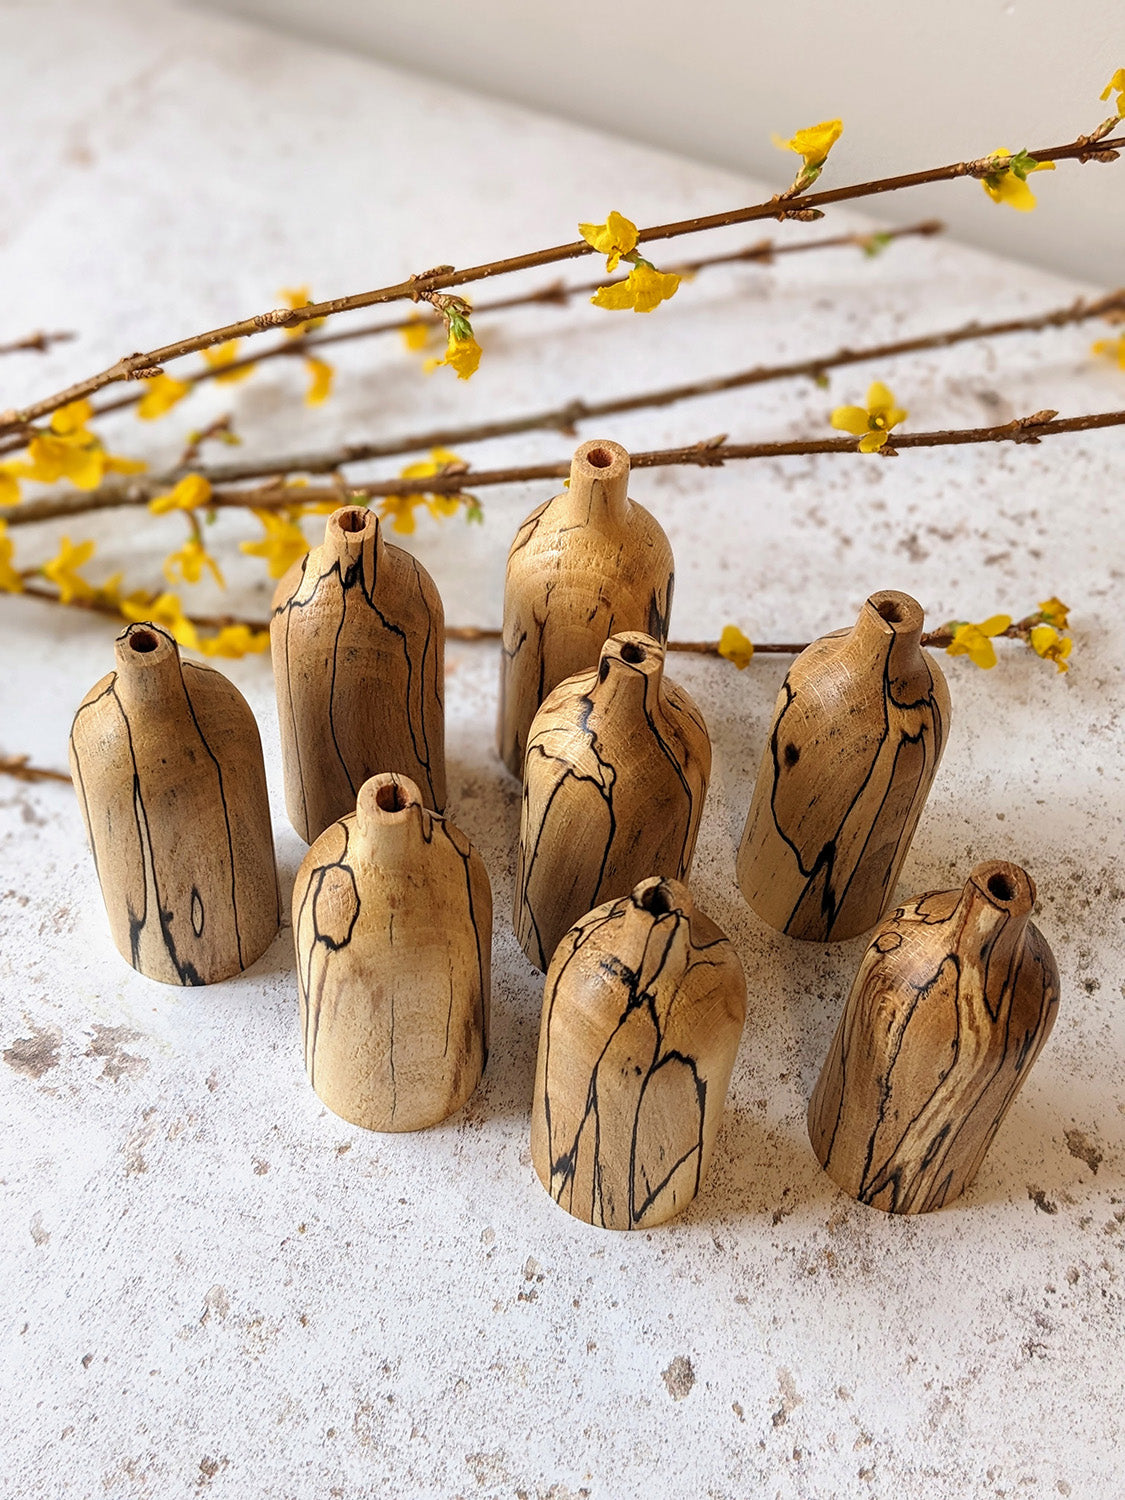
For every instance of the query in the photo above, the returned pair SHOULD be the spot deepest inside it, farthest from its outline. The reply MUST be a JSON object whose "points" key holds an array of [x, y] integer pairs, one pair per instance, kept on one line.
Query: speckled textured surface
{"points": [[212, 1286]]}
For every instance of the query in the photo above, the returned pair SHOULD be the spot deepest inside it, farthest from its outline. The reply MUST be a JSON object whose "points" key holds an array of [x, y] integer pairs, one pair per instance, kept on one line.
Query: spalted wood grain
{"points": [[392, 920], [642, 1015], [583, 566], [615, 778], [952, 1002], [857, 734], [358, 638], [167, 764]]}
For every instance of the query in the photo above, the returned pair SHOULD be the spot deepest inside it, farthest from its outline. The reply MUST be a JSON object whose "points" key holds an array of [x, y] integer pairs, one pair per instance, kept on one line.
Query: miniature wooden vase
{"points": [[587, 564], [952, 1002], [358, 637], [858, 731], [392, 918], [616, 773], [167, 763], [642, 1015]]}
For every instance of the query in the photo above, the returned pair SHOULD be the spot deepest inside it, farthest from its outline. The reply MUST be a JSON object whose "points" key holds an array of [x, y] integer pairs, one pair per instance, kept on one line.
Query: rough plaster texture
{"points": [[212, 1286]]}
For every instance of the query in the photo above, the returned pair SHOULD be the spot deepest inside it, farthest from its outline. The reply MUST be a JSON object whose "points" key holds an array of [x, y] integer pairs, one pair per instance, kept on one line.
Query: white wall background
{"points": [[916, 84]]}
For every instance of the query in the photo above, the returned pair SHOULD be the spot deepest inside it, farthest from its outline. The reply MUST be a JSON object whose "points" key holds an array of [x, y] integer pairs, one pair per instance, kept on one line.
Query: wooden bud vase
{"points": [[857, 734], [587, 564], [358, 638], [167, 764], [952, 1002], [642, 1016], [616, 773], [392, 918]]}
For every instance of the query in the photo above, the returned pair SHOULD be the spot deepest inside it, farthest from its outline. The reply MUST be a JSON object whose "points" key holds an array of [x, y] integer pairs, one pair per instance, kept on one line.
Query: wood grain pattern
{"points": [[392, 920], [167, 763], [857, 734], [642, 1014], [358, 639], [583, 566], [950, 1008], [616, 772]]}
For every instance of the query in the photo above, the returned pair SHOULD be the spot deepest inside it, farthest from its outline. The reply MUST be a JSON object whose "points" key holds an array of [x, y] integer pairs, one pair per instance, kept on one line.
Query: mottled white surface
{"points": [[211, 1285]]}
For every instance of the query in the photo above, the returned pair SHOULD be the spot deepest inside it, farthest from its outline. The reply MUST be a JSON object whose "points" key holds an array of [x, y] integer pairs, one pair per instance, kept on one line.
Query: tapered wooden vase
{"points": [[952, 1002], [642, 1015], [616, 773], [392, 919], [587, 564], [358, 638], [167, 763], [858, 731]]}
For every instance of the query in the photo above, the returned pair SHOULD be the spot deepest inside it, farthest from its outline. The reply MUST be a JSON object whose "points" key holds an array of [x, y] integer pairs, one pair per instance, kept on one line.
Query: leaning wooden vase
{"points": [[642, 1015], [587, 564], [858, 731], [358, 638], [392, 919], [952, 1002], [167, 763], [615, 778]]}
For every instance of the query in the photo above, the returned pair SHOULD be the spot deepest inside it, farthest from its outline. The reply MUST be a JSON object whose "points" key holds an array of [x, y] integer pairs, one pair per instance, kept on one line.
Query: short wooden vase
{"points": [[583, 566], [358, 638], [616, 771], [642, 1015], [392, 919], [858, 730], [167, 763], [952, 1002]]}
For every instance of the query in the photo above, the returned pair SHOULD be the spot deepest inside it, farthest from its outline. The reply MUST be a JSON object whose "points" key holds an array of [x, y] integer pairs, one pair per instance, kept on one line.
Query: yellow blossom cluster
{"points": [[1112, 349], [812, 145], [1008, 183], [399, 509], [67, 449], [871, 424], [1116, 85], [736, 647], [1044, 632], [645, 287], [282, 542]]}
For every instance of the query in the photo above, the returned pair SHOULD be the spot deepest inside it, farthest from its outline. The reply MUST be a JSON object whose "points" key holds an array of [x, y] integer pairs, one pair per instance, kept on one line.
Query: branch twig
{"points": [[40, 343], [20, 767]]}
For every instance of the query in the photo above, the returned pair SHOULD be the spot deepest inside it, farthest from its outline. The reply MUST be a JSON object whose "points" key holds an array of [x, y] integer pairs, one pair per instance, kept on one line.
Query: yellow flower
{"points": [[69, 451], [736, 647], [62, 570], [282, 544], [1054, 612], [1048, 643], [10, 484], [298, 296], [72, 418], [871, 424], [189, 493], [399, 510], [161, 394], [416, 334], [320, 383], [1008, 184], [1112, 348], [188, 564], [10, 580], [813, 143], [235, 640], [973, 640], [1116, 85], [225, 354], [613, 239], [166, 611], [440, 461], [462, 354], [643, 289], [109, 593]]}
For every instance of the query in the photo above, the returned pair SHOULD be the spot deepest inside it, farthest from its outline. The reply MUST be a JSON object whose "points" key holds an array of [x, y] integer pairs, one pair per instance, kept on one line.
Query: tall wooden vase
{"points": [[642, 1015], [358, 638], [392, 918], [616, 773], [858, 731], [167, 764], [587, 564], [952, 1002]]}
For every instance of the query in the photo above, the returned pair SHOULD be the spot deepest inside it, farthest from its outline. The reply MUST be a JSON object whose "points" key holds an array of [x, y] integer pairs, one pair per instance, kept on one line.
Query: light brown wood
{"points": [[616, 771], [358, 638], [392, 919], [642, 1015], [949, 1010], [583, 566], [167, 764], [858, 730]]}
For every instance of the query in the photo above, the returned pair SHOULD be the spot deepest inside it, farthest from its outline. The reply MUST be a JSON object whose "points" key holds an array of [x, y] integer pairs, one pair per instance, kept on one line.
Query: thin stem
{"points": [[40, 343], [1100, 145], [21, 768]]}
